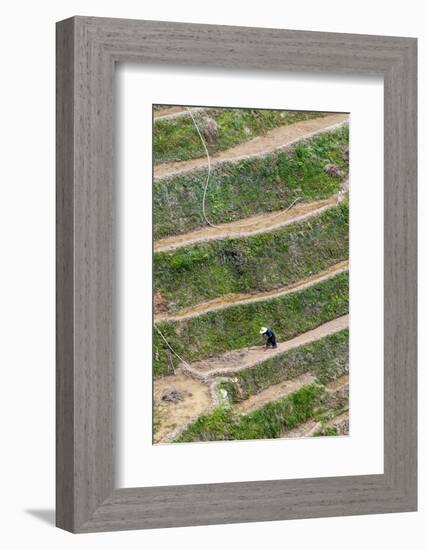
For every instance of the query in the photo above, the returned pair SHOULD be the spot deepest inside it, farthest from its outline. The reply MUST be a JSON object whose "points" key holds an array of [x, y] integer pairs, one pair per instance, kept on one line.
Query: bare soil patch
{"points": [[174, 112], [307, 429], [159, 113], [339, 382], [171, 414], [341, 422]]}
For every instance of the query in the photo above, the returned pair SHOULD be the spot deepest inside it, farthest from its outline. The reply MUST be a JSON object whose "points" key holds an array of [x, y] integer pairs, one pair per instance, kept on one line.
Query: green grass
{"points": [[252, 186], [177, 139], [262, 262], [265, 423], [238, 326]]}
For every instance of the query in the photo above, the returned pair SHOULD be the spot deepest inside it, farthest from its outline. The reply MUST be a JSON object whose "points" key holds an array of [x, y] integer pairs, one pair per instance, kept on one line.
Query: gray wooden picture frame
{"points": [[87, 51]]}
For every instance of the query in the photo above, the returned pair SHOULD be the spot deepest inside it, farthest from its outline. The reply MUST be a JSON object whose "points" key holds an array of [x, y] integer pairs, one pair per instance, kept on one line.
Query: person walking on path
{"points": [[269, 334]]}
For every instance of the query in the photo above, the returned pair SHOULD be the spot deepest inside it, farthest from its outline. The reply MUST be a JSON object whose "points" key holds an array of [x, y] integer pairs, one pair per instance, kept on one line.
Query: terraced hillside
{"points": [[251, 221]]}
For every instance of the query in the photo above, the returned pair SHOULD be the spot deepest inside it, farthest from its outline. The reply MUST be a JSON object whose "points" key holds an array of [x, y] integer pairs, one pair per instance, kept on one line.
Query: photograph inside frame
{"points": [[250, 274]]}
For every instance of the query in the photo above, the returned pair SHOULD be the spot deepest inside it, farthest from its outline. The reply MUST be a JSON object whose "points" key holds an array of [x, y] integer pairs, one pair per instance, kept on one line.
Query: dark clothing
{"points": [[271, 338]]}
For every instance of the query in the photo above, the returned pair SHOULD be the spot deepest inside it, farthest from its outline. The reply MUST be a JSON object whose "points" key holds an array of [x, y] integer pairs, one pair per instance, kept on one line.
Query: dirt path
{"points": [[337, 420], [234, 361], [341, 422], [230, 300], [273, 393], [262, 223], [309, 428], [169, 113], [278, 138], [338, 383], [171, 416]]}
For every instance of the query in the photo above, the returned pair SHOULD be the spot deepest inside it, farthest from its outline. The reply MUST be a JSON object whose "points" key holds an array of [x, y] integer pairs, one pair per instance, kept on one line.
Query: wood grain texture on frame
{"points": [[87, 50]]}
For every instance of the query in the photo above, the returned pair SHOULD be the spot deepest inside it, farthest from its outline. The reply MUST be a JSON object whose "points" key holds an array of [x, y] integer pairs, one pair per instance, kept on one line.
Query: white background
{"points": [[27, 273], [216, 462]]}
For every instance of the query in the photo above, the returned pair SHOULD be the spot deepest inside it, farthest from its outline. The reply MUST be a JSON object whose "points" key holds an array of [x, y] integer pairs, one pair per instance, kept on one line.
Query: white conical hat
{"points": [[263, 330]]}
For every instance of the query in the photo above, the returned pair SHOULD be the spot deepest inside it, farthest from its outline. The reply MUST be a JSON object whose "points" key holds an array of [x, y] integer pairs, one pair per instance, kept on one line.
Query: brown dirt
{"points": [[160, 304], [172, 416], [273, 393], [341, 422], [168, 111], [307, 429], [245, 358], [339, 382], [229, 300], [174, 112], [339, 419], [278, 138], [262, 223]]}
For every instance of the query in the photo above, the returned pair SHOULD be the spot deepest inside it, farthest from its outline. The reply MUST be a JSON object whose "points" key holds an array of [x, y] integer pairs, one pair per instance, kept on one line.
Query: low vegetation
{"points": [[203, 271], [268, 422], [273, 420], [251, 186], [177, 139], [238, 326]]}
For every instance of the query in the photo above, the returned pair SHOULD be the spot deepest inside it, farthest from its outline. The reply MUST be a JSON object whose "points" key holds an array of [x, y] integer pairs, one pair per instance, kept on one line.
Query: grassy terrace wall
{"points": [[251, 186], [268, 422], [261, 262], [327, 359], [177, 139], [273, 420], [238, 326]]}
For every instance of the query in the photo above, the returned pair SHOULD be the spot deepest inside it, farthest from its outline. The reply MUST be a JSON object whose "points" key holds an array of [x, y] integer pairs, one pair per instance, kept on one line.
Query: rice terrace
{"points": [[250, 274]]}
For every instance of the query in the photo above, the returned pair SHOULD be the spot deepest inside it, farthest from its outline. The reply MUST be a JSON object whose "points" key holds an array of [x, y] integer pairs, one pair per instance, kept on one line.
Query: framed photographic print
{"points": [[236, 274]]}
